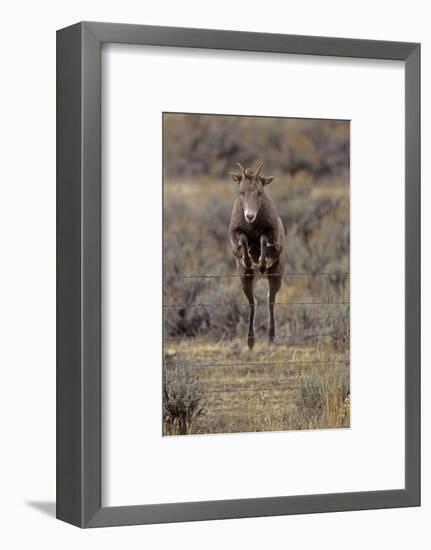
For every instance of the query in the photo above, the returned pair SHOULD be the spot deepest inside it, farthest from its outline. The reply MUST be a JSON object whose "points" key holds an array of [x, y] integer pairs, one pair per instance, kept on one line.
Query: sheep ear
{"points": [[235, 177], [267, 180]]}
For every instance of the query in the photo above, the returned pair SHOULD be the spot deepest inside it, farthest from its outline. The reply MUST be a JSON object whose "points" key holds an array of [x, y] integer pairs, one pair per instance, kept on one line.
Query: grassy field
{"points": [[288, 390], [212, 382]]}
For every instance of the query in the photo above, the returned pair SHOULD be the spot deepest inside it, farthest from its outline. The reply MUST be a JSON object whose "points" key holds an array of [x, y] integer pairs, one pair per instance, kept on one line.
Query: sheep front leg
{"points": [[243, 242], [263, 253]]}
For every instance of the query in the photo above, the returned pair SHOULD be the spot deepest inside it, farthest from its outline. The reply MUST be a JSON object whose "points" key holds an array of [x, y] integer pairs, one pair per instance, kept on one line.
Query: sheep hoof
{"points": [[250, 342], [247, 262]]}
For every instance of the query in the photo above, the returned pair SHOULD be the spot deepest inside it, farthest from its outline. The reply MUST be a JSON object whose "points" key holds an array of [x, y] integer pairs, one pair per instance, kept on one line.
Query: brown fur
{"points": [[259, 244]]}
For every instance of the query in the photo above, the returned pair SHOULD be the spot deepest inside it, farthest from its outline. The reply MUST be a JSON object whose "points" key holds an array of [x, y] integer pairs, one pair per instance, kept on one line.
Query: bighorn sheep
{"points": [[258, 241]]}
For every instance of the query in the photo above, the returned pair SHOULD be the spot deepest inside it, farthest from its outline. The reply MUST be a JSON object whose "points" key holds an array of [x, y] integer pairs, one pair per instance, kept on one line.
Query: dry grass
{"points": [[288, 390]]}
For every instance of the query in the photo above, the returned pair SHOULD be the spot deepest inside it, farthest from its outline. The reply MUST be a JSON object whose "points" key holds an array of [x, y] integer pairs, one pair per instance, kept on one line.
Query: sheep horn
{"points": [[259, 168]]}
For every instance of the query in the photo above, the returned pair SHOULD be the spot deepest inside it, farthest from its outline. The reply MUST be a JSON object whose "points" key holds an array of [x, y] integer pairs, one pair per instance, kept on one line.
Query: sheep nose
{"points": [[249, 217]]}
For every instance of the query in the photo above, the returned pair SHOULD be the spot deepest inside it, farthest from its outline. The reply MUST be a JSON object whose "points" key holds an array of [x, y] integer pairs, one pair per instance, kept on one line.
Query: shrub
{"points": [[337, 317], [182, 398], [324, 398]]}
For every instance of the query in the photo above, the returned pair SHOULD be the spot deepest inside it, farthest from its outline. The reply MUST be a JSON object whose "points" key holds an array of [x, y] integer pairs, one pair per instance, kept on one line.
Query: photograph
{"points": [[256, 274]]}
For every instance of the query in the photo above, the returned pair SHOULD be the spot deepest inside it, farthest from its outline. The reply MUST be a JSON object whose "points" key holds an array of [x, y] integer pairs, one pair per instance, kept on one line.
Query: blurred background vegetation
{"points": [[309, 160], [197, 145]]}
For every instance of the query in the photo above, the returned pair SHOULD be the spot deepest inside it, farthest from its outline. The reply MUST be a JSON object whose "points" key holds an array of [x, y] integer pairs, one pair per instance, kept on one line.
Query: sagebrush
{"points": [[183, 398]]}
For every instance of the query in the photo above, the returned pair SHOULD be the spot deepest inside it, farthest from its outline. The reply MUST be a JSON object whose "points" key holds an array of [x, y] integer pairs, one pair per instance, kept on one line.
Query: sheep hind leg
{"points": [[247, 287], [274, 285]]}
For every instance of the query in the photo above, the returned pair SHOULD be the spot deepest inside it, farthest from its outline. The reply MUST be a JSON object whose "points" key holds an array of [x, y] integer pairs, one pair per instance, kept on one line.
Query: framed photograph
{"points": [[238, 274]]}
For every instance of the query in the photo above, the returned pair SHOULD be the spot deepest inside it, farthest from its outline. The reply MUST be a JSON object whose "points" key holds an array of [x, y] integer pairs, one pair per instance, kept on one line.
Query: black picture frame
{"points": [[79, 273]]}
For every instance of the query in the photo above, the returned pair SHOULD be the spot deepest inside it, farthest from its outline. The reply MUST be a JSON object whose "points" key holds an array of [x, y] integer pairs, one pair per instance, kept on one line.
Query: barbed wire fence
{"points": [[340, 276], [243, 304], [285, 274]]}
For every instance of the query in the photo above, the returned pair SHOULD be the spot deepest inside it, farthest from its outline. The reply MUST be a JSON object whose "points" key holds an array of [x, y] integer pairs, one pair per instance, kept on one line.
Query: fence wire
{"points": [[297, 338], [255, 390], [236, 275], [241, 304], [264, 363]]}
